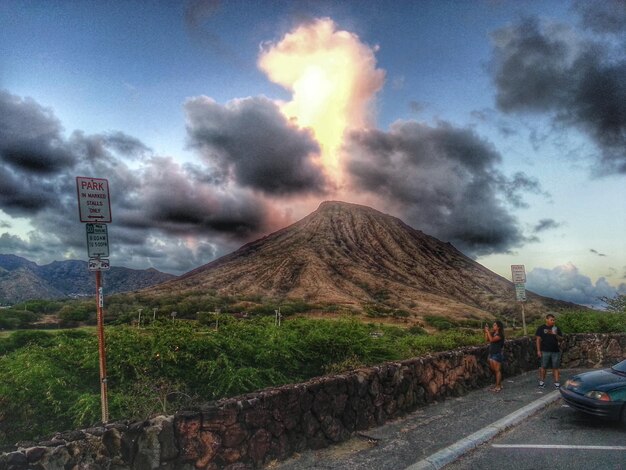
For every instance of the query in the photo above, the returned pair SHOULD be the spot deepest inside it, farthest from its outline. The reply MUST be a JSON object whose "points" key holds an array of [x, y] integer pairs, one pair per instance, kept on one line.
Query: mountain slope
{"points": [[22, 284], [21, 279], [352, 255]]}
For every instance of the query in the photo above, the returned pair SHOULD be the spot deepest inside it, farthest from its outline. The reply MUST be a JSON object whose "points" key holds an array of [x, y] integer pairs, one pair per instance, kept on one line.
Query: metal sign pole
{"points": [[94, 207], [524, 319], [101, 350]]}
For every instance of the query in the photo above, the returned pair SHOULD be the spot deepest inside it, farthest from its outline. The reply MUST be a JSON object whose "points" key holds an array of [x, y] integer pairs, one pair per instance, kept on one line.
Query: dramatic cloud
{"points": [[333, 78], [567, 283], [445, 180], [25, 194], [177, 204], [252, 143], [30, 137], [549, 68]]}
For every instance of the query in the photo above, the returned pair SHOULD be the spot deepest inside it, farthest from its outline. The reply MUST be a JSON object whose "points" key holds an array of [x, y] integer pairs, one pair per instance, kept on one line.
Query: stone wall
{"points": [[245, 432]]}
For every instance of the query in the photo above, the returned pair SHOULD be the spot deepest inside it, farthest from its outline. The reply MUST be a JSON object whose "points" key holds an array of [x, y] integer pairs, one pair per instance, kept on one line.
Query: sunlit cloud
{"points": [[333, 79]]}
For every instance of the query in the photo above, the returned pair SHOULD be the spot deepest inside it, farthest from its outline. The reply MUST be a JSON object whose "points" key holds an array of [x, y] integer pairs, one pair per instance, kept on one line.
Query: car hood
{"points": [[603, 380]]}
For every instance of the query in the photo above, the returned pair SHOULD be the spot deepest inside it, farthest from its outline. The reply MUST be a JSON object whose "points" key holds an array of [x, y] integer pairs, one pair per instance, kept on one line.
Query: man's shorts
{"points": [[550, 360]]}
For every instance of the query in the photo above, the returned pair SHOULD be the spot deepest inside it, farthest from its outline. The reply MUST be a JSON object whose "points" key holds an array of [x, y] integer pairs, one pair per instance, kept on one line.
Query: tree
{"points": [[616, 304]]}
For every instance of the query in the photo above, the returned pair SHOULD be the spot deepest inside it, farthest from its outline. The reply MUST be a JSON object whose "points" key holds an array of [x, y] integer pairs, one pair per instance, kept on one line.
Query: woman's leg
{"points": [[492, 366], [498, 372]]}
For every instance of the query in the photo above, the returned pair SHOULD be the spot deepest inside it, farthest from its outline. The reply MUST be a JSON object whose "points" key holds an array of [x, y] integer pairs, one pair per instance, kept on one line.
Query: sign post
{"points": [[518, 275], [94, 208]]}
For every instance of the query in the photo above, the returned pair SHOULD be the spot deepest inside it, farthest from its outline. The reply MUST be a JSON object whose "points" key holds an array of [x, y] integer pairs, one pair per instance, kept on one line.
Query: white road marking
{"points": [[556, 446]]}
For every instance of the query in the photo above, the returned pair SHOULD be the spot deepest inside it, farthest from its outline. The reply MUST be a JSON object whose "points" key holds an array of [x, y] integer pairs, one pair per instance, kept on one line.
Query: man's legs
{"points": [[542, 369], [542, 374]]}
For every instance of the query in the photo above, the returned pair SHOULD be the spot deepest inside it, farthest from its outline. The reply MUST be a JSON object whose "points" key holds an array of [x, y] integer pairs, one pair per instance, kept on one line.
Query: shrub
{"points": [[591, 322], [441, 323], [417, 330], [12, 318]]}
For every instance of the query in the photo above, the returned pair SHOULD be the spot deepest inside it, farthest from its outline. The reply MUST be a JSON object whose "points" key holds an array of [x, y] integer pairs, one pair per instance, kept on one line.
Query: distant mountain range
{"points": [[21, 279], [357, 257]]}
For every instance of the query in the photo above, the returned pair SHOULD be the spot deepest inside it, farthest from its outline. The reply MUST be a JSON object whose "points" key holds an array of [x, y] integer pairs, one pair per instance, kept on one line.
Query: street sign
{"points": [[98, 264], [94, 204], [518, 273], [97, 241], [520, 292]]}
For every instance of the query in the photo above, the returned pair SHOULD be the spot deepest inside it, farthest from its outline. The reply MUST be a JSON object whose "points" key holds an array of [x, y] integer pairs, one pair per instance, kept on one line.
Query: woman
{"points": [[496, 357]]}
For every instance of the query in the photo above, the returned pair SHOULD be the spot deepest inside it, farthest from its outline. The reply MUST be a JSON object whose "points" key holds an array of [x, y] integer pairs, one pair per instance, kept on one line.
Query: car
{"points": [[600, 393]]}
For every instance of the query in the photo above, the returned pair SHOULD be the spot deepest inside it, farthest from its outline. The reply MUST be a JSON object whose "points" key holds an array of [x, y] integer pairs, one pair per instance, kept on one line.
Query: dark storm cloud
{"points": [[251, 142], [24, 194], [112, 146], [445, 180], [578, 82], [173, 201], [30, 137], [606, 16], [546, 224]]}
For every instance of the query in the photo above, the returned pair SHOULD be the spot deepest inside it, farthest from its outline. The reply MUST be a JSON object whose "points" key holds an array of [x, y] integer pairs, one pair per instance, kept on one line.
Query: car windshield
{"points": [[620, 367]]}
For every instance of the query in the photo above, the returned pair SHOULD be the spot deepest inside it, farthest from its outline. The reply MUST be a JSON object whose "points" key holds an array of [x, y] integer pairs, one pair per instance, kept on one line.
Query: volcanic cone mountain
{"points": [[352, 256]]}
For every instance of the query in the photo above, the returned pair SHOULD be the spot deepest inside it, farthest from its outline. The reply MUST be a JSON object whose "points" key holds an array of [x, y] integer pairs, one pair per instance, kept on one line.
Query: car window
{"points": [[620, 367]]}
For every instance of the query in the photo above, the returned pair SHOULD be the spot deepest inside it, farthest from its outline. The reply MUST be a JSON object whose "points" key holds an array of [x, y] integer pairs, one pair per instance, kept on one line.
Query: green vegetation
{"points": [[382, 311], [13, 318], [167, 364], [441, 323], [586, 322]]}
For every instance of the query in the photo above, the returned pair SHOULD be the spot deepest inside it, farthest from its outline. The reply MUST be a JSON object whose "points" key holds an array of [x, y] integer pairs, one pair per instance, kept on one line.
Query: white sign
{"points": [[93, 199], [98, 264], [519, 273], [97, 241], [520, 292]]}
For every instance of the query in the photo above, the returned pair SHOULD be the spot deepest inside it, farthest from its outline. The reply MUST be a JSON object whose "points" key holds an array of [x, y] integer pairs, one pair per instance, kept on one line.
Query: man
{"points": [[548, 337]]}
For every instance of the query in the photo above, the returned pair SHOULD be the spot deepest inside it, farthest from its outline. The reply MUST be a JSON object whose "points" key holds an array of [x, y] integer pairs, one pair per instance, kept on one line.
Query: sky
{"points": [[496, 125]]}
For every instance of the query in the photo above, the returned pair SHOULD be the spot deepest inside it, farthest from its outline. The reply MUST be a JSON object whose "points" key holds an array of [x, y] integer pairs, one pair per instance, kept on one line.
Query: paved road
{"points": [[412, 441], [556, 437]]}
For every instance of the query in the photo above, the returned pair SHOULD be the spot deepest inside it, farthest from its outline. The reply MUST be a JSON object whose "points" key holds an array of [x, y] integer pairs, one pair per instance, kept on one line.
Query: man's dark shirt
{"points": [[549, 342]]}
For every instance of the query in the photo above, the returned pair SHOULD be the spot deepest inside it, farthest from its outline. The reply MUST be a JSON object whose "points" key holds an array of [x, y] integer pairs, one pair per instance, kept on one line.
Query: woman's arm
{"points": [[492, 338]]}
